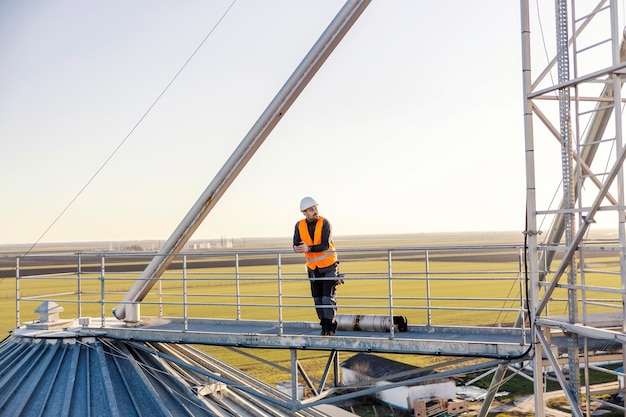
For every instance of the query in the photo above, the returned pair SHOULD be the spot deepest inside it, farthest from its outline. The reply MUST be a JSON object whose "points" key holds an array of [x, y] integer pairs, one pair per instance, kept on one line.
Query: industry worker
{"points": [[313, 237]]}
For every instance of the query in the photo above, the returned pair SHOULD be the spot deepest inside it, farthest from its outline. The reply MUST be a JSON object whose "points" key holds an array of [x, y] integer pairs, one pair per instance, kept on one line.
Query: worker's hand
{"points": [[340, 278], [301, 248]]}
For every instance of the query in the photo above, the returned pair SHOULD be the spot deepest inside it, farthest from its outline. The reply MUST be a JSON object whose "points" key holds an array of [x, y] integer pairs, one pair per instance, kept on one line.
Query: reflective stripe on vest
{"points": [[317, 259]]}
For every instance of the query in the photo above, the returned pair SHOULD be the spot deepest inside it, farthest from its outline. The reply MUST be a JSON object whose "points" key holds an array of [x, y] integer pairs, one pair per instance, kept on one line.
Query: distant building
{"points": [[365, 366], [197, 245]]}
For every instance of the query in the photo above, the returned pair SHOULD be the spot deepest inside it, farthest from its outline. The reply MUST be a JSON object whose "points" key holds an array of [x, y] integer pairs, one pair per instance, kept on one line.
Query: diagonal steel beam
{"points": [[128, 309], [571, 397], [573, 246]]}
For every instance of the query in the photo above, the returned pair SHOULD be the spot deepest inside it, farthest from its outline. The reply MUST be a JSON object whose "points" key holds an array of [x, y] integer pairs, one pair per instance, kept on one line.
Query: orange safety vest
{"points": [[317, 259]]}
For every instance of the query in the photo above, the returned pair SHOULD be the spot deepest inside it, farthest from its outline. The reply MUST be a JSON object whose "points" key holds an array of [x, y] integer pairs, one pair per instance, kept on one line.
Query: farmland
{"points": [[466, 286]]}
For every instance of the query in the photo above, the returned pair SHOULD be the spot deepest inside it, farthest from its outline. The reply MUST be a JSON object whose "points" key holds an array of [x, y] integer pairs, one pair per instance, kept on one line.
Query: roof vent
{"points": [[48, 312], [49, 317]]}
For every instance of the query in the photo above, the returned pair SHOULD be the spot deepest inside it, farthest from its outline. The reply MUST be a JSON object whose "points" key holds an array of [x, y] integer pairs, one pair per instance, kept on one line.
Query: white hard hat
{"points": [[307, 202]]}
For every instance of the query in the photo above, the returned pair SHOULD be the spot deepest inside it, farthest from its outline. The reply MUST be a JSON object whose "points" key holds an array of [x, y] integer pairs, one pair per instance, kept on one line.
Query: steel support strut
{"points": [[128, 309]]}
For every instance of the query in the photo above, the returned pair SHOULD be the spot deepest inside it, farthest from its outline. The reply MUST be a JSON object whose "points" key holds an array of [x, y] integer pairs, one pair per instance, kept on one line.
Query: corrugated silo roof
{"points": [[95, 376]]}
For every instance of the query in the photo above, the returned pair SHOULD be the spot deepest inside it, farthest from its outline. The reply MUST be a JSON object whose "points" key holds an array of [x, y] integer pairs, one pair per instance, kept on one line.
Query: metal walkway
{"points": [[484, 342], [474, 346]]}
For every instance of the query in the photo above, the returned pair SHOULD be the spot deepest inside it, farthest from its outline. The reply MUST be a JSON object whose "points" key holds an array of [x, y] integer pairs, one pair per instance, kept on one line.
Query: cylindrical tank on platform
{"points": [[370, 322]]}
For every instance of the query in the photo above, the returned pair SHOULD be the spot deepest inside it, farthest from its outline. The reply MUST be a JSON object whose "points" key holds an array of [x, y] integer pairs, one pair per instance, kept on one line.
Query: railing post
{"points": [[160, 296], [237, 292], [390, 289], [102, 273], [280, 297], [78, 286], [160, 289], [17, 291], [522, 294], [427, 275], [185, 319]]}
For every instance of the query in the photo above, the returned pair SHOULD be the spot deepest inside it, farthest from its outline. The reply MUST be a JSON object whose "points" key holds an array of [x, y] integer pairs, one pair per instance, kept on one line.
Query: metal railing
{"points": [[453, 285]]}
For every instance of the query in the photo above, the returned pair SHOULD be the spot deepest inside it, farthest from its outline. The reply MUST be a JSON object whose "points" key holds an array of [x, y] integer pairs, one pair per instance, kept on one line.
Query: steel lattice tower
{"points": [[573, 111]]}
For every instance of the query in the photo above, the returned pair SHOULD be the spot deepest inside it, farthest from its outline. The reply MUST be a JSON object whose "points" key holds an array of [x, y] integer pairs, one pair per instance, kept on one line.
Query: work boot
{"points": [[332, 328], [324, 327], [327, 327]]}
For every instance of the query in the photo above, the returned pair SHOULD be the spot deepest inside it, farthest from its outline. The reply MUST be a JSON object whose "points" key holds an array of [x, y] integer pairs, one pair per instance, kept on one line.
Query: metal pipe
{"points": [[79, 289], [102, 291], [427, 275], [370, 323], [280, 295], [531, 203], [128, 309], [390, 290], [185, 316], [17, 292], [237, 290]]}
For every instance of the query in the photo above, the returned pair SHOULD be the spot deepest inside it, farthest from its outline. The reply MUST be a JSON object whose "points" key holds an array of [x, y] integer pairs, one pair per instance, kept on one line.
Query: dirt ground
{"points": [[526, 404]]}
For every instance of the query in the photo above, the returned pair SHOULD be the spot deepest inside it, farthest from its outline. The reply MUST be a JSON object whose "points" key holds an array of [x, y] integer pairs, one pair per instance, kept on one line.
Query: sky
{"points": [[413, 125]]}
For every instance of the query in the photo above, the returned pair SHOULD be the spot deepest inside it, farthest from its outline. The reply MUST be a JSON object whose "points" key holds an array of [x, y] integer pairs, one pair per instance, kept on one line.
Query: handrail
{"points": [[473, 285], [421, 283]]}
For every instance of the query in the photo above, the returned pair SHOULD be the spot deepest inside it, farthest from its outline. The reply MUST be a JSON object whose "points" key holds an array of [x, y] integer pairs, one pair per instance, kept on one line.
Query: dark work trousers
{"points": [[323, 289]]}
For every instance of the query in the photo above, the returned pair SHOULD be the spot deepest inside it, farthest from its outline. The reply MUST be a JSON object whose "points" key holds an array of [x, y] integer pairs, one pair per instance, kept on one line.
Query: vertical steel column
{"points": [[280, 296], [102, 291], [531, 209], [427, 275], [79, 287], [336, 366], [237, 290], [185, 316], [523, 302], [160, 298], [567, 157], [294, 379], [619, 51], [390, 289], [17, 291]]}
